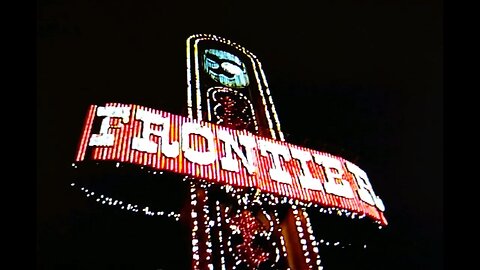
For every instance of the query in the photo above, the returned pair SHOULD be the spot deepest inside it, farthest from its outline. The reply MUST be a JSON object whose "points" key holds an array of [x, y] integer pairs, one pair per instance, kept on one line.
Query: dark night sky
{"points": [[359, 79]]}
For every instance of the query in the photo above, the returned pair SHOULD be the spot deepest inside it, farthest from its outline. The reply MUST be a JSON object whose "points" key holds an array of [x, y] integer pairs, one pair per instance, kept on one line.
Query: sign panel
{"points": [[226, 85], [164, 141]]}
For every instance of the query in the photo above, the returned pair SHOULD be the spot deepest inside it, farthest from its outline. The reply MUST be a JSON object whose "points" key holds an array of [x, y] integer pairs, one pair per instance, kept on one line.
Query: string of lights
{"points": [[193, 214], [110, 201], [231, 109], [311, 236], [207, 224], [220, 234], [246, 198], [282, 240]]}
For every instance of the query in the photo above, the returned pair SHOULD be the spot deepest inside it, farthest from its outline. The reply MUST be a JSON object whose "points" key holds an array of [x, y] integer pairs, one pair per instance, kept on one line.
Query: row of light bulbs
{"points": [[272, 200], [195, 228], [303, 240], [336, 244], [106, 200], [264, 198]]}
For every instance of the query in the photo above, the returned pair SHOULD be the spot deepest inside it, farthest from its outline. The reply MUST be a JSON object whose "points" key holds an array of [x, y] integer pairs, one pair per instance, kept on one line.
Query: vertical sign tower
{"points": [[232, 227]]}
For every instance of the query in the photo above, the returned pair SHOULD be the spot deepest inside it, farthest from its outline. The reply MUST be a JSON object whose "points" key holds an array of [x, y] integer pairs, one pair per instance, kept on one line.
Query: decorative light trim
{"points": [[311, 237], [110, 201], [195, 240], [210, 96]]}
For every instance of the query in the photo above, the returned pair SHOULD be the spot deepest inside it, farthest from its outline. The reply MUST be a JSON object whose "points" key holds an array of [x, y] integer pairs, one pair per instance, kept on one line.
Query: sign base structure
{"points": [[232, 233]]}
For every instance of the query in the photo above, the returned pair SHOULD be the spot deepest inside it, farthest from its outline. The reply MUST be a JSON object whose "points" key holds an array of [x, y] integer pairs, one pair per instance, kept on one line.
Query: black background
{"points": [[359, 79]]}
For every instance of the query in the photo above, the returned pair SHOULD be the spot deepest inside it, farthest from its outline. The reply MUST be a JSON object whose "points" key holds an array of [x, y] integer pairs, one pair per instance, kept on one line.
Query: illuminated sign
{"points": [[226, 85], [225, 68], [163, 141]]}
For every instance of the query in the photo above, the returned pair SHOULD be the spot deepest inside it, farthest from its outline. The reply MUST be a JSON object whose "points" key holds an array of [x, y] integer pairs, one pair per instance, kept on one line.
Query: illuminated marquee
{"points": [[163, 141]]}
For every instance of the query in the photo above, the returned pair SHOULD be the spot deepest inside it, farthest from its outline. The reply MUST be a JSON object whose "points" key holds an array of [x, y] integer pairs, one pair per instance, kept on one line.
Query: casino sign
{"points": [[231, 143]]}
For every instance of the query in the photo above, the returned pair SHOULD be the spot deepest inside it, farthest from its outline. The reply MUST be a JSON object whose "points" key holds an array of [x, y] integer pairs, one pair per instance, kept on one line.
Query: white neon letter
{"points": [[306, 180], [104, 138], [143, 143], [276, 172], [203, 158], [228, 162], [334, 183], [365, 189]]}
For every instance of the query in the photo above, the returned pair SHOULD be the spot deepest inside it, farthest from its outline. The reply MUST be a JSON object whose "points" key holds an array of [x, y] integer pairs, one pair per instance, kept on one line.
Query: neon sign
{"points": [[163, 141], [225, 68]]}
